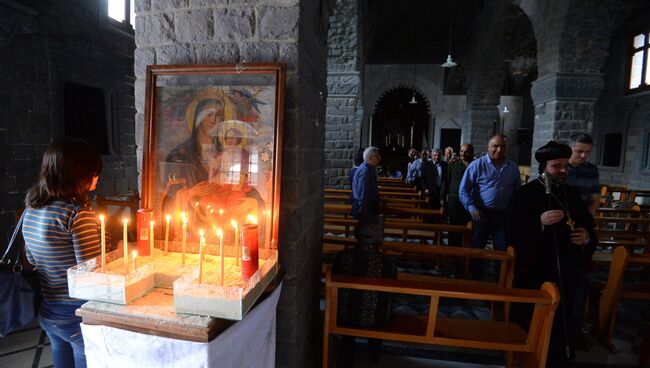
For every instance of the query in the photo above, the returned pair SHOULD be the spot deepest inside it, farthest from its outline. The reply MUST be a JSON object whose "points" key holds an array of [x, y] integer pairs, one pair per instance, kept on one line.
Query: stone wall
{"points": [[294, 32], [43, 45], [628, 114], [344, 92]]}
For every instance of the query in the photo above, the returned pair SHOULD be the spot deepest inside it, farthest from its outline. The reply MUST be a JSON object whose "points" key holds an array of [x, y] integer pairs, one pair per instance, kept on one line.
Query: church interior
{"points": [[390, 74]]}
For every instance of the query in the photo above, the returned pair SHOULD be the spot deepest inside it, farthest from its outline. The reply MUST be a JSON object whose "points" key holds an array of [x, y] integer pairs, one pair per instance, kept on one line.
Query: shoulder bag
{"points": [[19, 288]]}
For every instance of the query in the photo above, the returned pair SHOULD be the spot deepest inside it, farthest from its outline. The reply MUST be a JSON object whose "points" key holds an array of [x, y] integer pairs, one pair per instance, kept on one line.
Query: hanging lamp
{"points": [[413, 100], [450, 63]]}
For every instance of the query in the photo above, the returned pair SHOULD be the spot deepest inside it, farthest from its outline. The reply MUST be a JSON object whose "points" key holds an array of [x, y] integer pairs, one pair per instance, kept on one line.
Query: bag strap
{"points": [[12, 241]]}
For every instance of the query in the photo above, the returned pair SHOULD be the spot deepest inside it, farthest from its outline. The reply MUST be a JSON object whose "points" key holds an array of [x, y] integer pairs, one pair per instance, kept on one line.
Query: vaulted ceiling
{"points": [[416, 31]]}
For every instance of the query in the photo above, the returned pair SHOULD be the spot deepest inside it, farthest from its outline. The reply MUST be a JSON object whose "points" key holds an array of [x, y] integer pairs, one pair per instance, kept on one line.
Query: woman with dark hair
{"points": [[61, 231]]}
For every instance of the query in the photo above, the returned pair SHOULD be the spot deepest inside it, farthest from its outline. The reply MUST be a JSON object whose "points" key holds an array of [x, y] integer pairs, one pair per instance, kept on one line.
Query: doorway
{"points": [[398, 125], [450, 138]]}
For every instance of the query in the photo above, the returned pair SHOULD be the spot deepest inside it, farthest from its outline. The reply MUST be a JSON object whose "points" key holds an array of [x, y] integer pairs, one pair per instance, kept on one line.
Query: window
{"points": [[639, 62], [84, 115], [122, 11], [612, 146]]}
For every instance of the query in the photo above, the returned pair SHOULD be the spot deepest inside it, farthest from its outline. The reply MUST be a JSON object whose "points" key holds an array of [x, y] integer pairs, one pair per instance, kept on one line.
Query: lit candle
{"points": [[220, 234], [151, 238], [167, 220], [126, 244], [134, 256], [184, 231], [234, 226], [201, 245], [103, 240]]}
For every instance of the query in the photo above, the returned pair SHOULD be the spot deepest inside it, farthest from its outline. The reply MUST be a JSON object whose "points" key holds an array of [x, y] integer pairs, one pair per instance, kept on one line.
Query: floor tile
{"points": [[19, 341], [18, 360]]}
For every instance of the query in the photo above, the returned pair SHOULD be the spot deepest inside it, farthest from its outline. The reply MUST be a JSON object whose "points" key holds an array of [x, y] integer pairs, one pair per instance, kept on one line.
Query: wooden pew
{"points": [[633, 233], [401, 229], [615, 290], [391, 194], [527, 348]]}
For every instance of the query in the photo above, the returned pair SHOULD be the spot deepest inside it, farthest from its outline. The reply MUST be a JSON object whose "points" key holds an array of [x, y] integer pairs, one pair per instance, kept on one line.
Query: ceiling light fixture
{"points": [[450, 63]]}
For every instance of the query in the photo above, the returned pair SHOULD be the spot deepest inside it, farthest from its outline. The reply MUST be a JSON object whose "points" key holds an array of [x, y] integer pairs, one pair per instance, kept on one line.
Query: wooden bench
{"points": [[396, 228], [615, 290], [527, 348], [390, 194], [633, 233]]}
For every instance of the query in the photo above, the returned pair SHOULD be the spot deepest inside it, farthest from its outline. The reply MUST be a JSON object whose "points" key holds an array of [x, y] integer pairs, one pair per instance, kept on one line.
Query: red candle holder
{"points": [[249, 247]]}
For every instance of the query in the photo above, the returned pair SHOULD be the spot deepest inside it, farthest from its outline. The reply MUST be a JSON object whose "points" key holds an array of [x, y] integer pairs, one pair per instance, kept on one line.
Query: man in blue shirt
{"points": [[486, 189], [365, 192], [414, 169], [582, 175]]}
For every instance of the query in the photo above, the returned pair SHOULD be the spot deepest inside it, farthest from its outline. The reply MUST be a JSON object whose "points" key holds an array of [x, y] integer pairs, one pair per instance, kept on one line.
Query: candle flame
{"points": [[184, 219], [233, 223], [101, 218], [209, 206], [221, 211], [211, 211], [168, 218], [220, 233], [196, 204], [201, 233], [252, 219], [134, 253], [125, 220], [151, 223]]}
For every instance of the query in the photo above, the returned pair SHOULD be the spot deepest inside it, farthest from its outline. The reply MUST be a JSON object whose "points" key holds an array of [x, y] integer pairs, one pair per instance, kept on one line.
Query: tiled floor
{"points": [[26, 349]]}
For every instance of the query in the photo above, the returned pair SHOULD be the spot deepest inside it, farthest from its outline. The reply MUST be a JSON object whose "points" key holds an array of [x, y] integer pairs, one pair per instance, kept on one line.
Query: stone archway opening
{"points": [[520, 62], [398, 125]]}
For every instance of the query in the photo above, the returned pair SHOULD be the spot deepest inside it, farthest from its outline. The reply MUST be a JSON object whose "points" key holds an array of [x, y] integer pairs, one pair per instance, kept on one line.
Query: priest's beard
{"points": [[559, 178]]}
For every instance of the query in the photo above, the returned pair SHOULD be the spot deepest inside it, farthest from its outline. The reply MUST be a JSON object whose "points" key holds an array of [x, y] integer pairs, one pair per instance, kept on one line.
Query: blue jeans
{"points": [[67, 342], [492, 225]]}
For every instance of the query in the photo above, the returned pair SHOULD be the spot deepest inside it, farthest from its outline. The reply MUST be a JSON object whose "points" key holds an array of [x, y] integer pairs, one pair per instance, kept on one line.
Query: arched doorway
{"points": [[399, 124]]}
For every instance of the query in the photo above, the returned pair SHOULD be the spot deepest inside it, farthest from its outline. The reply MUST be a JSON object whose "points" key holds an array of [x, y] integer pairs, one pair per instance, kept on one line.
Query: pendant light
{"points": [[450, 63], [413, 100]]}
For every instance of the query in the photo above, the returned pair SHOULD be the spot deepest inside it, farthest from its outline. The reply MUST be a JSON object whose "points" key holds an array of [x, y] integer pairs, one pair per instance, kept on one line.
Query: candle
{"points": [[151, 238], [234, 226], [249, 247], [220, 235], [184, 231], [134, 256], [201, 245], [167, 220], [103, 240], [126, 244]]}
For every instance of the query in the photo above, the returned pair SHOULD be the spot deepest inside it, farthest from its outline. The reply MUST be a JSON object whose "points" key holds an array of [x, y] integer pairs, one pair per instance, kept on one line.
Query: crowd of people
{"points": [[549, 220]]}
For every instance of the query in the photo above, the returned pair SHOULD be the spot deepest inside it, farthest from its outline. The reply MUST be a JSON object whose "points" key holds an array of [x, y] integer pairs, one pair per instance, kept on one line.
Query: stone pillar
{"points": [[479, 124], [564, 104], [344, 99], [291, 31]]}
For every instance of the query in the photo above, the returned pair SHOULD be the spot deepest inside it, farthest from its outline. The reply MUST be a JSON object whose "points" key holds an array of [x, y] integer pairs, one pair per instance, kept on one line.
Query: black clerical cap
{"points": [[552, 151]]}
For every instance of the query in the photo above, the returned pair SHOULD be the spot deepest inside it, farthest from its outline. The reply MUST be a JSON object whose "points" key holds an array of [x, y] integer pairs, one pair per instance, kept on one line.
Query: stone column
{"points": [[292, 31], [479, 125], [564, 104], [344, 99]]}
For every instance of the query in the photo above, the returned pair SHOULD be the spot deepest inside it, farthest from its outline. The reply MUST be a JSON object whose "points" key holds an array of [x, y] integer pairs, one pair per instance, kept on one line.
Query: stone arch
{"points": [[503, 62], [425, 79], [399, 86]]}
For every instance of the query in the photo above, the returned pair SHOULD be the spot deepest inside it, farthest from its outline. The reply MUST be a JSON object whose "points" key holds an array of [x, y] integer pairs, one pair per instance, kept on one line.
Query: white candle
{"points": [[234, 225], [151, 239], [134, 256], [125, 240], [220, 234], [184, 243], [103, 240], [167, 220], [201, 245]]}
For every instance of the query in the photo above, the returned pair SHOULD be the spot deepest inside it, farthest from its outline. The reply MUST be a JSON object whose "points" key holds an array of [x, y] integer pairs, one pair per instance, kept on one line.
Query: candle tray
{"points": [[231, 301], [88, 281]]}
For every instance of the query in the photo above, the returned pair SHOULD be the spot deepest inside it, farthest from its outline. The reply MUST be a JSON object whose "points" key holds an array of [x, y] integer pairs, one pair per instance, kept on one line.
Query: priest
{"points": [[554, 237]]}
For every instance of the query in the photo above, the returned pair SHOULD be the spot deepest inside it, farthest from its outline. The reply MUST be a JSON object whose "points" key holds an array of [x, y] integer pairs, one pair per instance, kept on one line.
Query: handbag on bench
{"points": [[19, 287]]}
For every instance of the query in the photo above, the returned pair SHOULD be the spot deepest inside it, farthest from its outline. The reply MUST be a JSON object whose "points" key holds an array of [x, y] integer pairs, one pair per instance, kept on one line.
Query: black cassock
{"points": [[535, 253]]}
